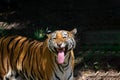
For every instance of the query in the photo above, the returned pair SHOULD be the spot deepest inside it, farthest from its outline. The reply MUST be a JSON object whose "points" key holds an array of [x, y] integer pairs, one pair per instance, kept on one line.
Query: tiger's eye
{"points": [[64, 37], [54, 38]]}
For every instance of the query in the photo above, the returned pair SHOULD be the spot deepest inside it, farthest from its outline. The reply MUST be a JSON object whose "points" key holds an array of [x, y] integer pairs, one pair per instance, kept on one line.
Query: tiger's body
{"points": [[23, 58]]}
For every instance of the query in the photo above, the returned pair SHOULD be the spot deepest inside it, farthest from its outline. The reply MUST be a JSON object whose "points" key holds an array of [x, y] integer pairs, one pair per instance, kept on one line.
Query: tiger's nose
{"points": [[59, 44]]}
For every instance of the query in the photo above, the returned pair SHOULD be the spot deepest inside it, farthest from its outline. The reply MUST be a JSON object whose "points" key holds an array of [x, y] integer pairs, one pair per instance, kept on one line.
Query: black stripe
{"points": [[41, 77], [70, 76], [67, 64], [54, 68], [59, 66], [11, 51], [25, 73], [2, 47], [20, 50], [10, 40], [17, 75], [26, 57], [30, 52], [16, 43], [2, 50], [32, 73], [32, 76], [57, 77], [32, 57], [26, 54]]}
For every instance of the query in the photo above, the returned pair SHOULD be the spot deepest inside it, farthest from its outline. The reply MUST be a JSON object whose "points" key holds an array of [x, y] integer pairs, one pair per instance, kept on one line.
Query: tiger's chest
{"points": [[63, 71]]}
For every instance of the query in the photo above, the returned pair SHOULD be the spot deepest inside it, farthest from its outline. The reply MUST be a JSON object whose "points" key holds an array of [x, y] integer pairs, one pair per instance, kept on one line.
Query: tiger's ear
{"points": [[74, 31], [48, 32]]}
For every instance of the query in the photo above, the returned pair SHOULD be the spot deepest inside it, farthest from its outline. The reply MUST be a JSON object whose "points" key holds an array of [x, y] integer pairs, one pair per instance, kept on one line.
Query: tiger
{"points": [[23, 58]]}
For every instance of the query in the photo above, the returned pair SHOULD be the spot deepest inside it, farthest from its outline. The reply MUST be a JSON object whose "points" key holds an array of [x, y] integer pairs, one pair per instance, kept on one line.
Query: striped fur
{"points": [[34, 60]]}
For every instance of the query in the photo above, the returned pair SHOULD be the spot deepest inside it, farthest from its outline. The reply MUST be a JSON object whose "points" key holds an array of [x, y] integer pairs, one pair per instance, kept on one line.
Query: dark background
{"points": [[85, 15]]}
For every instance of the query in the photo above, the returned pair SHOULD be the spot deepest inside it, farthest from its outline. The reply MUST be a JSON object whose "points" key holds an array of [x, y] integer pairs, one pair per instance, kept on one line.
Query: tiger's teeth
{"points": [[61, 49]]}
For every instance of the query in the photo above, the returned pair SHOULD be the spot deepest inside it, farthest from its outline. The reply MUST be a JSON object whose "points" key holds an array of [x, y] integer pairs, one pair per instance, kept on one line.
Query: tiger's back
{"points": [[35, 60], [16, 53]]}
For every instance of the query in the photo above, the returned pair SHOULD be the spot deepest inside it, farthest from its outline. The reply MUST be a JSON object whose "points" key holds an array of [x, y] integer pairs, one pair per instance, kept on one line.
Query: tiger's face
{"points": [[61, 42]]}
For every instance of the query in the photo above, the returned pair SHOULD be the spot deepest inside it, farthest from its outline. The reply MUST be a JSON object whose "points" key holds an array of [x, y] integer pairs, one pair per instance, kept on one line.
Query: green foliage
{"points": [[6, 32], [39, 34], [3, 32]]}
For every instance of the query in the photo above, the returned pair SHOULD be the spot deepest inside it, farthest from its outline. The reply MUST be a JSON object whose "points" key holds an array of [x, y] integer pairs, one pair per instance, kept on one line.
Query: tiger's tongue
{"points": [[60, 57]]}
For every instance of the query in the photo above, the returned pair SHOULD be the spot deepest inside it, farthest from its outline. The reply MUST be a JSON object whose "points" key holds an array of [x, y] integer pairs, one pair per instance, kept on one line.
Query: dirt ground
{"points": [[98, 75]]}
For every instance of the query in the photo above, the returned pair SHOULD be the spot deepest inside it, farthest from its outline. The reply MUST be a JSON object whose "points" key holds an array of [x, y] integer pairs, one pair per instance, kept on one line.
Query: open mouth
{"points": [[60, 55], [60, 49]]}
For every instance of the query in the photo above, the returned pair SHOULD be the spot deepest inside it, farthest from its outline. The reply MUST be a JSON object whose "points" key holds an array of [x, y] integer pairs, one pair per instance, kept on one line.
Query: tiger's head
{"points": [[61, 42]]}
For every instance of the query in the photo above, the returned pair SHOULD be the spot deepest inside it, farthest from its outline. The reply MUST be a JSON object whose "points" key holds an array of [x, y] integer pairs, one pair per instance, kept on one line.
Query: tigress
{"points": [[22, 58]]}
